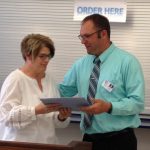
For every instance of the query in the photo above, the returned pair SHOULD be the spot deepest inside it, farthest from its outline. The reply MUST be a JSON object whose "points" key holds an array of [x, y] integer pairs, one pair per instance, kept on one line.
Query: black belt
{"points": [[109, 134]]}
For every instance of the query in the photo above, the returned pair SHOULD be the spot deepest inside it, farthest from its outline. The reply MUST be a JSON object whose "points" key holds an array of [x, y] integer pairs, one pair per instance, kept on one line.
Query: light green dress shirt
{"points": [[121, 82]]}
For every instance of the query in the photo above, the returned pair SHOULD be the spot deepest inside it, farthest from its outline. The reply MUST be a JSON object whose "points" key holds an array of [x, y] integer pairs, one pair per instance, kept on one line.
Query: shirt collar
{"points": [[106, 53]]}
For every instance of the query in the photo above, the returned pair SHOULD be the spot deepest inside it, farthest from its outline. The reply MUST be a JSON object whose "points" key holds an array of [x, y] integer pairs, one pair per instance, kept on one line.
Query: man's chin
{"points": [[89, 52]]}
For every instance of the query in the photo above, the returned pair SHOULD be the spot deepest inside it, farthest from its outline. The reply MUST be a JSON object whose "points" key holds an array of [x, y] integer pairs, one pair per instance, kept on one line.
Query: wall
{"points": [[55, 19]]}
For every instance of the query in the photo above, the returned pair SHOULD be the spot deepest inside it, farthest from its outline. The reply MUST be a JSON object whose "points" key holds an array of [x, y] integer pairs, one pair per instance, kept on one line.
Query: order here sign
{"points": [[114, 10]]}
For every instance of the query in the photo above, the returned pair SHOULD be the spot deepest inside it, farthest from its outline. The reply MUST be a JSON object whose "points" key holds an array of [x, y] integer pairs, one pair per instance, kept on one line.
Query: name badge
{"points": [[108, 85]]}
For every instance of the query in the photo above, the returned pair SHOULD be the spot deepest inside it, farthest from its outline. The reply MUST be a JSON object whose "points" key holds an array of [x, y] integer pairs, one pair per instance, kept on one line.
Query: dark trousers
{"points": [[118, 140]]}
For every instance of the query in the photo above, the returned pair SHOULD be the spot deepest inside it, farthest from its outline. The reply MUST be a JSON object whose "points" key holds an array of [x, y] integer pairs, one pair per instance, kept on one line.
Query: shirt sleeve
{"points": [[58, 123], [68, 87], [133, 101], [13, 113]]}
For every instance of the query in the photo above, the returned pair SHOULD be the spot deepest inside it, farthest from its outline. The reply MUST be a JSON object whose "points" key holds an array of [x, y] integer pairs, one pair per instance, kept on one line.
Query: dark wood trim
{"points": [[74, 145]]}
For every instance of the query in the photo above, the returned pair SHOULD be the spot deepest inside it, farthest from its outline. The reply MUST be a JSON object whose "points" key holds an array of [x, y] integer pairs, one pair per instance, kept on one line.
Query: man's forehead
{"points": [[86, 27], [88, 23]]}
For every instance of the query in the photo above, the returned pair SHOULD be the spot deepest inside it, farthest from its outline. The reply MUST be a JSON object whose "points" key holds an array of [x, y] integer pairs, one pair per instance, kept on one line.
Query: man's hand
{"points": [[99, 106]]}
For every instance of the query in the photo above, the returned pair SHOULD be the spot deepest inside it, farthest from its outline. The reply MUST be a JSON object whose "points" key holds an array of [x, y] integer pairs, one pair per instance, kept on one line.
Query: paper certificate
{"points": [[74, 103]]}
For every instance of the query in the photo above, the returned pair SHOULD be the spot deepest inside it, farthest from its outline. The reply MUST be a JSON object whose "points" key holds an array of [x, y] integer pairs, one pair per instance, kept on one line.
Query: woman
{"points": [[22, 115]]}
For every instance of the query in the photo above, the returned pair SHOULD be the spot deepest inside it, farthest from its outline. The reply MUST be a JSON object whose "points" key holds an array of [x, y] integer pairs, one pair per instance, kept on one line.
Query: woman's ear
{"points": [[28, 57]]}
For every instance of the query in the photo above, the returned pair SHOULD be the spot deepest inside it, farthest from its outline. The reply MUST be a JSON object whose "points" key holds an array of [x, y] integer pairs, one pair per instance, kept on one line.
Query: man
{"points": [[119, 91]]}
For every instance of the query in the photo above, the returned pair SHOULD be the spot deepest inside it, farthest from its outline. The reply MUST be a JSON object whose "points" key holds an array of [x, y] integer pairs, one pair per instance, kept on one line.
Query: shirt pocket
{"points": [[107, 87], [111, 88]]}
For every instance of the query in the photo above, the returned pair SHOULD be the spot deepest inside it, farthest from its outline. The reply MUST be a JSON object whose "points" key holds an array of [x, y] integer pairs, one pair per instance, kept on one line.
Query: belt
{"points": [[109, 134]]}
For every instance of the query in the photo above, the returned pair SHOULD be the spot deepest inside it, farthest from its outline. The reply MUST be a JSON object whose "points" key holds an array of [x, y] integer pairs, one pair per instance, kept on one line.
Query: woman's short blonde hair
{"points": [[33, 43]]}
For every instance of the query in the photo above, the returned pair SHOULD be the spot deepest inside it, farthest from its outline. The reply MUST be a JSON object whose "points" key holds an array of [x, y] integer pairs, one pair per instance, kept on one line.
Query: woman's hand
{"points": [[44, 109], [64, 113]]}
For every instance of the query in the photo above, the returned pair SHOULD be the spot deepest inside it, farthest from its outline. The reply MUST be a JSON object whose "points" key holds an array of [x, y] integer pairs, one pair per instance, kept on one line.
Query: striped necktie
{"points": [[87, 120]]}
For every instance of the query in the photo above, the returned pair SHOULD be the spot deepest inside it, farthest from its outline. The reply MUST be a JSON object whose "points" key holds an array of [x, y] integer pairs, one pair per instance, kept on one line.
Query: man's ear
{"points": [[104, 33]]}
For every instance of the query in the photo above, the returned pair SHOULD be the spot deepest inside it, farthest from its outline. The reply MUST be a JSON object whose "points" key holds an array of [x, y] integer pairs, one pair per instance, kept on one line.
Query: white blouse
{"points": [[18, 98]]}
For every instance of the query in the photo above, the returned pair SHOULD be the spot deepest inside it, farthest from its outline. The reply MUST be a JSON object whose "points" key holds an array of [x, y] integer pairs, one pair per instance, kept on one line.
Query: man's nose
{"points": [[83, 41]]}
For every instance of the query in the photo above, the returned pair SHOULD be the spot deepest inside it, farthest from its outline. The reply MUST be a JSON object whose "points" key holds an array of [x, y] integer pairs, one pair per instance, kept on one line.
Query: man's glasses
{"points": [[86, 36], [44, 56]]}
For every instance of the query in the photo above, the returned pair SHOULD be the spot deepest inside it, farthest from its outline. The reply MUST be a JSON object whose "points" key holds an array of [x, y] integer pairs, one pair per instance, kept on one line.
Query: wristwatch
{"points": [[110, 109]]}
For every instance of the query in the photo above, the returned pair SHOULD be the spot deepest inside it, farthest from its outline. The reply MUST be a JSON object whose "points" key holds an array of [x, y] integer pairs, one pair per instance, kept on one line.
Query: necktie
{"points": [[87, 120]]}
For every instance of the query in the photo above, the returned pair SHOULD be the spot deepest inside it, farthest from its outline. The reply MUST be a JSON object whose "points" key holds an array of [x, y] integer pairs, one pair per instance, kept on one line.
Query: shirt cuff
{"points": [[33, 113]]}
